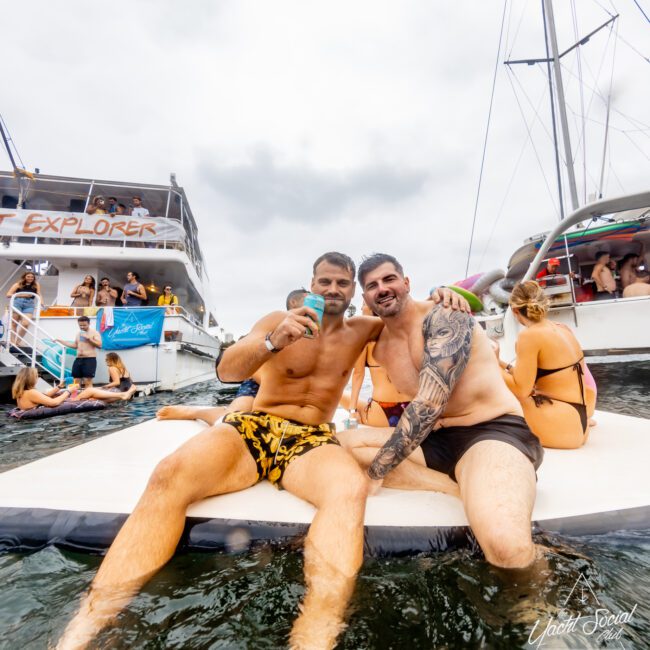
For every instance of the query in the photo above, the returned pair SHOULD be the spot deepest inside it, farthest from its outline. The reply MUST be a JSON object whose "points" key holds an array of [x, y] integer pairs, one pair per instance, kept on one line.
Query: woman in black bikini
{"points": [[120, 386], [550, 377]]}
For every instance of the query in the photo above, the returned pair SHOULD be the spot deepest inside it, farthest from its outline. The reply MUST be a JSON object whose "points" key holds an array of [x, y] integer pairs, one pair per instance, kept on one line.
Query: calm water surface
{"points": [[219, 600]]}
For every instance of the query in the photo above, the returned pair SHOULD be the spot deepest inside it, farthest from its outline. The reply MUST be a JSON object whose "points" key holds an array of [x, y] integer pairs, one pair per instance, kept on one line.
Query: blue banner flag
{"points": [[132, 327]]}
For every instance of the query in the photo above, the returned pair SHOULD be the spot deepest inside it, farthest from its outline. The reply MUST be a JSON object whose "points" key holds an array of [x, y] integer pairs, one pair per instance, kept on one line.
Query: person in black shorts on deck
{"points": [[86, 343]]}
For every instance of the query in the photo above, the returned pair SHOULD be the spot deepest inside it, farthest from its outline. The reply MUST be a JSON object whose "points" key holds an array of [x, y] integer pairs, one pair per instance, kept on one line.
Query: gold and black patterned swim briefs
{"points": [[274, 442]]}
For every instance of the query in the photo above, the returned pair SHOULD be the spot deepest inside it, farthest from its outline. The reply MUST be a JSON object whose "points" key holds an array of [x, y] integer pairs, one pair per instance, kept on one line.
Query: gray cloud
{"points": [[263, 189]]}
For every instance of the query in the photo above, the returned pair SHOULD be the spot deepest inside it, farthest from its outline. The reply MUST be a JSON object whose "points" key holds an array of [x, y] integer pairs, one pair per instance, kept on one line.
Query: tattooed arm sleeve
{"points": [[447, 345]]}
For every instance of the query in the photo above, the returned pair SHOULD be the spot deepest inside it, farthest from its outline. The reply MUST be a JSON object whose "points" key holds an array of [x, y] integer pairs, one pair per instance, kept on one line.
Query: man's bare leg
{"points": [[177, 412], [411, 474], [210, 414], [330, 479], [497, 486], [215, 461]]}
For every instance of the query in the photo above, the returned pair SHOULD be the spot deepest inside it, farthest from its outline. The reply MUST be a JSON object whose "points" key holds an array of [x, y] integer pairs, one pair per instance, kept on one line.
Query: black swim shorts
{"points": [[84, 367], [274, 442], [444, 447]]}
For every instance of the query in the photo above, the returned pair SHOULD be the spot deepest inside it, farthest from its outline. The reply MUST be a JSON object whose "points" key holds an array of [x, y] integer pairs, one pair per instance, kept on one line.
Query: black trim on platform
{"points": [[30, 529]]}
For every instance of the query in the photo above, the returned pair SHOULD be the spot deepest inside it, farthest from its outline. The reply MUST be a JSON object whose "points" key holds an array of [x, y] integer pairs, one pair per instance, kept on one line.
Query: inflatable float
{"points": [[67, 407], [79, 498], [474, 303]]}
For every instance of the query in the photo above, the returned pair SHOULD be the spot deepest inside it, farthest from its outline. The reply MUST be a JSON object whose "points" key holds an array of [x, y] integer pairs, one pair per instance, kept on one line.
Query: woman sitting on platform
{"points": [[120, 386], [550, 377], [28, 397]]}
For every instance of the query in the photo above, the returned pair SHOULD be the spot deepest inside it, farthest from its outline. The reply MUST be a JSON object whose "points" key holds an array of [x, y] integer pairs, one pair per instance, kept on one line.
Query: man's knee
{"points": [[508, 551], [350, 488], [167, 474]]}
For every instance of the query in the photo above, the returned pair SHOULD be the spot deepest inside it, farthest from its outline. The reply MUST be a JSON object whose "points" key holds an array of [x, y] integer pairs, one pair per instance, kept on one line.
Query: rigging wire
{"points": [[532, 143], [641, 10], [583, 139], [487, 131], [11, 140]]}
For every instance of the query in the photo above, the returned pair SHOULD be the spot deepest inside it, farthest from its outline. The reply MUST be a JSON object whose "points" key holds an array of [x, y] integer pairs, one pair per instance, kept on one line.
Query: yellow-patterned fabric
{"points": [[274, 442]]}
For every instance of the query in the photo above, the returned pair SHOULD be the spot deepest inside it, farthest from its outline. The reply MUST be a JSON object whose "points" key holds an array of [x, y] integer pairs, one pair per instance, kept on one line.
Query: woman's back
{"points": [[558, 351]]}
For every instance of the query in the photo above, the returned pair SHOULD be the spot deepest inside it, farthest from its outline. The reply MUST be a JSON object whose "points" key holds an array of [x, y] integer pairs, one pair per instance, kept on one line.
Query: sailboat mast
{"points": [[548, 4], [6, 143]]}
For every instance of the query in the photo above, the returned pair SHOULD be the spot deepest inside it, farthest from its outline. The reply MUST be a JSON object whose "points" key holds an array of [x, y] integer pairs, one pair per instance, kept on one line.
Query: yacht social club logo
{"points": [[602, 627], [133, 327]]}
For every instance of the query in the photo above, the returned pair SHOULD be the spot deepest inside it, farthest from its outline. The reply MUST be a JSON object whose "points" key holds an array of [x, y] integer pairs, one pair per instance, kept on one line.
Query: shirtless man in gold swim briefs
{"points": [[286, 440], [463, 424]]}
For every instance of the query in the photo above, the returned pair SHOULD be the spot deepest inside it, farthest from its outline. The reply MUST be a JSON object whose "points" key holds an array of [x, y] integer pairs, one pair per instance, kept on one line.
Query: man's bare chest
{"points": [[402, 359]]}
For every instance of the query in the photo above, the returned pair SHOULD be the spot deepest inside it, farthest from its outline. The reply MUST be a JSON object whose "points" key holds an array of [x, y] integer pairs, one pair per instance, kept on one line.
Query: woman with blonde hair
{"points": [[28, 397], [550, 377]]}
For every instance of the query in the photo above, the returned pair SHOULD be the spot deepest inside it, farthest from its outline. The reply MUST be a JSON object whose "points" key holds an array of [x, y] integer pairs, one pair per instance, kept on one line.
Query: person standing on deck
{"points": [[106, 296], [133, 294], [603, 277], [86, 343]]}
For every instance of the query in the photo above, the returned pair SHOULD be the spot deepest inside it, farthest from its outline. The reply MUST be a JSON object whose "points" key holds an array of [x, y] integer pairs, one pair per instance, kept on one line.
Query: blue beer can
{"points": [[317, 303]]}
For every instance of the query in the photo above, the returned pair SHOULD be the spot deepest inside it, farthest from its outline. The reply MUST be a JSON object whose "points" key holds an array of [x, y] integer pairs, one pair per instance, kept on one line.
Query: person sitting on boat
{"points": [[463, 431], [133, 294], [387, 404], [119, 387], [552, 268], [138, 210], [83, 294], [640, 286], [550, 378], [25, 303], [626, 269], [97, 206], [168, 299], [27, 396], [86, 343], [603, 277], [106, 296]]}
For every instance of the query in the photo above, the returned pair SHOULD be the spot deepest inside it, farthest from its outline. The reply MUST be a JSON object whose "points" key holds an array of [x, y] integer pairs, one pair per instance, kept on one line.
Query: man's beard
{"points": [[335, 307], [386, 310]]}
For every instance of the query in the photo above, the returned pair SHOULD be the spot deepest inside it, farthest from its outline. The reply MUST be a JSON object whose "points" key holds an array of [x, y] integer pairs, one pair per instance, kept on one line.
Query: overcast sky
{"points": [[298, 127]]}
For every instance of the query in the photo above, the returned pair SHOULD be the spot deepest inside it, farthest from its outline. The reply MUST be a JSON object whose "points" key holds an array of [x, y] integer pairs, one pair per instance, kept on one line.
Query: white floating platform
{"points": [[80, 497]]}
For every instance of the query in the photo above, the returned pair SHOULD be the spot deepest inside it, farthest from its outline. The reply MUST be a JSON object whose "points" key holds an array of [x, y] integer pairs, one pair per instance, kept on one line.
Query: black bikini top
{"points": [[543, 372]]}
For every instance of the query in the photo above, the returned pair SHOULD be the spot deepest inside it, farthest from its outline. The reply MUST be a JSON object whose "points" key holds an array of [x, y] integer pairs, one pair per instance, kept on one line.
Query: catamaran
{"points": [[608, 330]]}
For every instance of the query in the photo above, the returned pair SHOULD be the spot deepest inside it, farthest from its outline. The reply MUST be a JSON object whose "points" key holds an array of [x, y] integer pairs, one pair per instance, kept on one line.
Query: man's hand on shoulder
{"points": [[294, 327], [449, 298]]}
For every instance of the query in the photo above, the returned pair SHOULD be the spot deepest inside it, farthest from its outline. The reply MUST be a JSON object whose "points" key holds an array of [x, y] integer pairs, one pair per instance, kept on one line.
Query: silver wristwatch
{"points": [[269, 345]]}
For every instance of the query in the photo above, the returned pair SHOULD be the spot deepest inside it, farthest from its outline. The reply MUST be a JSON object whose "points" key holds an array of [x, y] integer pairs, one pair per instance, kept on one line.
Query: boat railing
{"points": [[34, 339], [171, 312]]}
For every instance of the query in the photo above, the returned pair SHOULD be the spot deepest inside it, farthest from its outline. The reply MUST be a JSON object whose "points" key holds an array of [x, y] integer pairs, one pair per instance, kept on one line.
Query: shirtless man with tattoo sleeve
{"points": [[463, 425]]}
